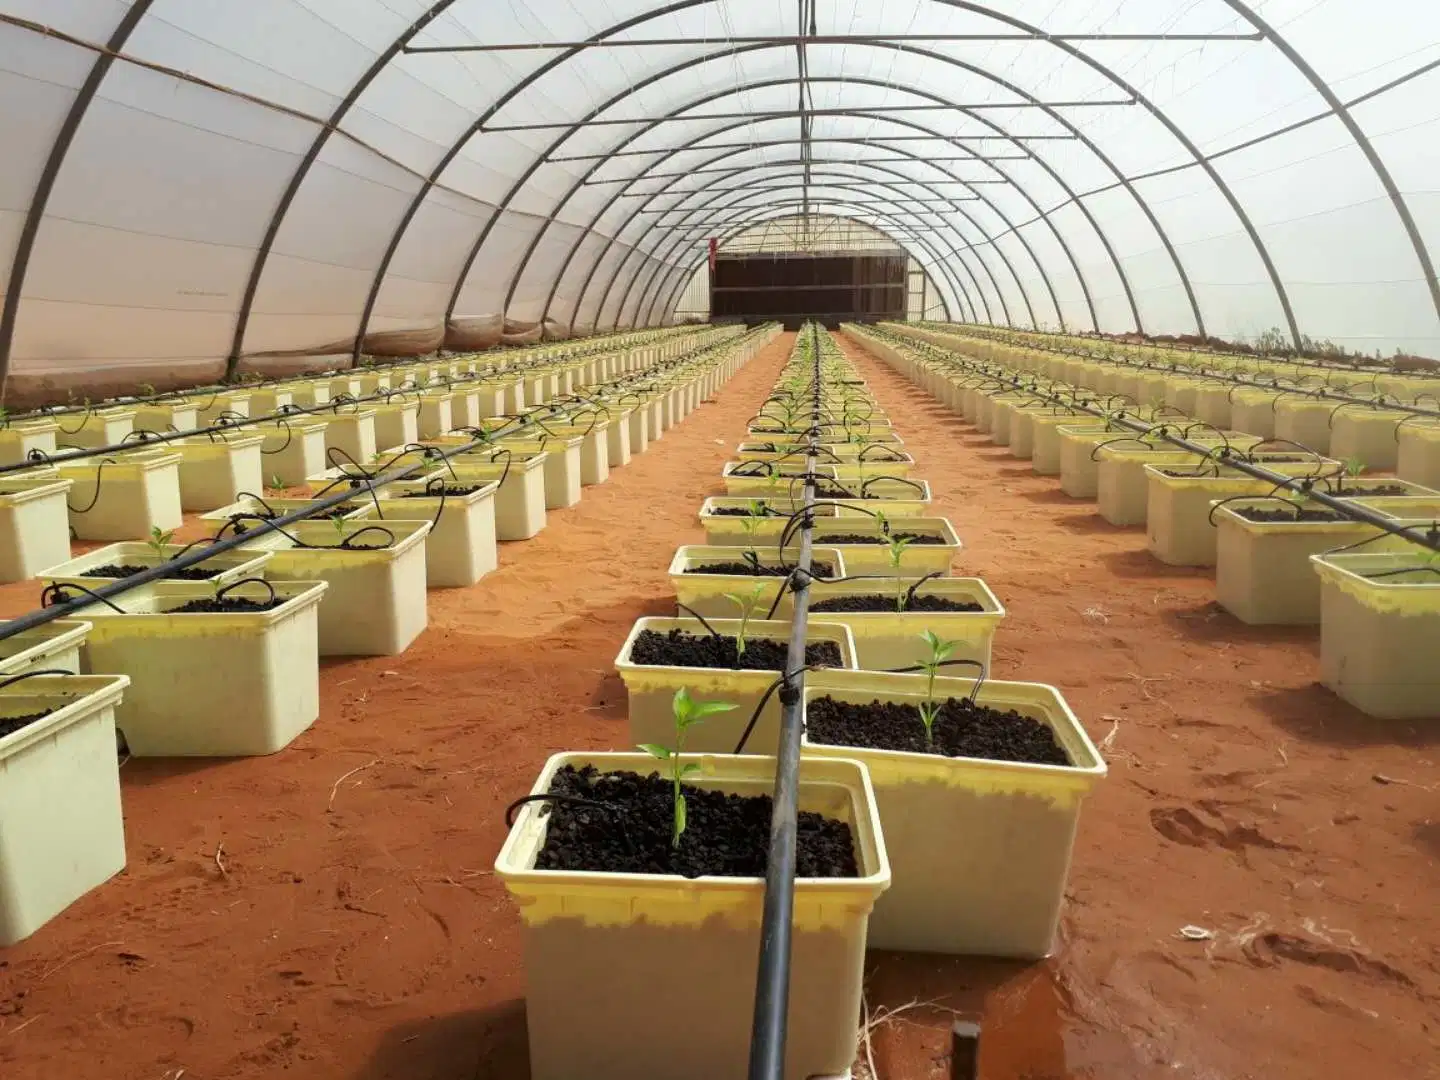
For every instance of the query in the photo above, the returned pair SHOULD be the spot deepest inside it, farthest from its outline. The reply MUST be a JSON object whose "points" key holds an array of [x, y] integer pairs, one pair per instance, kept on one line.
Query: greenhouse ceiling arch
{"points": [[551, 65]]}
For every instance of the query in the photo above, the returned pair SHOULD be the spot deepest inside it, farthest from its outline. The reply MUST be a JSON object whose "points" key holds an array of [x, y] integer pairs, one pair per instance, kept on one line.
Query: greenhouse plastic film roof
{"points": [[193, 187]]}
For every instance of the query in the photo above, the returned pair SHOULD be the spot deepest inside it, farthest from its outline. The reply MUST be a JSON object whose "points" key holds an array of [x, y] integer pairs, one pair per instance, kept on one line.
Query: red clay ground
{"points": [[349, 927]]}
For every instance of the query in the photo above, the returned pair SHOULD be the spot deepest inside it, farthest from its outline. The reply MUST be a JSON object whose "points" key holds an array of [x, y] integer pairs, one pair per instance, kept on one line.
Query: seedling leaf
{"points": [[655, 750]]}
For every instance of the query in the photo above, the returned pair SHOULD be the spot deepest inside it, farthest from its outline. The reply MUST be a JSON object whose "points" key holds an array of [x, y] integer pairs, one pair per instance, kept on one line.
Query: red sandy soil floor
{"points": [[329, 912]]}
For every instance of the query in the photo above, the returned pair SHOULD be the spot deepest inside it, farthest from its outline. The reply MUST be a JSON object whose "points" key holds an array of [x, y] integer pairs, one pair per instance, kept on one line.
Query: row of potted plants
{"points": [[1280, 557], [140, 487], [913, 782], [241, 632]]}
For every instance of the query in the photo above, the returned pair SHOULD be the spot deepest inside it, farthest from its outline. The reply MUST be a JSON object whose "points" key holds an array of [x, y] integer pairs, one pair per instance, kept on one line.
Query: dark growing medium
{"points": [[881, 602], [679, 648], [961, 730], [725, 836], [818, 568]]}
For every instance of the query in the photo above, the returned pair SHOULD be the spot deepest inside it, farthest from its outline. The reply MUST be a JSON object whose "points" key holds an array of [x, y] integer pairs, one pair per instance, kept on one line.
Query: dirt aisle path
{"points": [[1242, 798], [330, 910]]}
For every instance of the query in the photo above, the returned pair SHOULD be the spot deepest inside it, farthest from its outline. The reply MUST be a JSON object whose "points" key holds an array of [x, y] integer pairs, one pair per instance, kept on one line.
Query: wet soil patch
{"points": [[224, 606], [818, 568], [882, 602], [11, 724], [870, 538], [189, 573], [1278, 515], [725, 836], [961, 730], [680, 648]]}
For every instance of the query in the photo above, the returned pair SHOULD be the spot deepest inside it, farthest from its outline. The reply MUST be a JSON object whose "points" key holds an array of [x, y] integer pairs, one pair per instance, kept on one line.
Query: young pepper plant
{"points": [[940, 651], [687, 712], [747, 603], [897, 552], [159, 539]]}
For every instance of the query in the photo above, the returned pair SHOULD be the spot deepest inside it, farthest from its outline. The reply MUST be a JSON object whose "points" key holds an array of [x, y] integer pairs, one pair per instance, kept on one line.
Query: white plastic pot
{"points": [[1380, 636], [182, 414], [61, 830], [887, 640], [293, 450], [376, 604], [520, 500], [19, 437], [708, 594], [651, 687], [562, 467], [397, 423], [611, 960], [34, 524], [125, 496], [96, 427], [226, 566], [213, 471], [461, 547], [54, 646], [874, 559], [234, 403], [351, 433], [979, 849], [223, 684]]}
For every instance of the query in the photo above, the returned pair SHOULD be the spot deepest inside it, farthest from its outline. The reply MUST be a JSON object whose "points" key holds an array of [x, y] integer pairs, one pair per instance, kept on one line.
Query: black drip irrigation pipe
{"points": [[1304, 485], [772, 979], [104, 593]]}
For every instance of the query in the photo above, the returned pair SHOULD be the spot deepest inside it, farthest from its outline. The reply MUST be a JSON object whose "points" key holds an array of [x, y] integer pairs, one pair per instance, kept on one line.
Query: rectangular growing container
{"points": [[96, 427], [915, 560], [19, 437], [182, 414], [228, 566], [350, 431], [1380, 636], [61, 829], [520, 500], [293, 450], [126, 496], [1418, 456], [886, 640], [611, 960], [461, 548], [652, 687], [211, 684], [562, 467], [1357, 432], [708, 594], [213, 471], [979, 849], [34, 524], [1263, 574], [397, 423], [376, 604], [54, 646]]}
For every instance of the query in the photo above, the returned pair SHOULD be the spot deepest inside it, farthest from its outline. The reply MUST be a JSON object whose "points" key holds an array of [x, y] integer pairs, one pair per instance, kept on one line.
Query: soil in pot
{"points": [[882, 602], [1378, 491], [11, 724], [962, 729], [865, 538], [741, 511], [225, 606], [451, 491], [725, 835], [189, 573], [679, 648], [1255, 513], [818, 568]]}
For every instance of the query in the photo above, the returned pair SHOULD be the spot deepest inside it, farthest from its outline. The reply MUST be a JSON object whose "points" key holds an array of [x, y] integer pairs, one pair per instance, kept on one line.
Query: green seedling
{"points": [[687, 713], [747, 603], [897, 552], [940, 651], [159, 540], [339, 522], [751, 524], [276, 482], [1354, 466]]}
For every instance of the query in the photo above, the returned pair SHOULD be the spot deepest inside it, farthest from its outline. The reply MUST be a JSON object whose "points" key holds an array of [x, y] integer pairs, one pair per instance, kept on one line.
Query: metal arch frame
{"points": [[911, 124], [902, 154], [302, 171], [140, 7], [1094, 148], [680, 273], [438, 170], [1174, 129], [1362, 140], [1001, 133], [689, 270], [894, 213], [741, 228], [659, 76], [45, 186], [713, 197]]}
